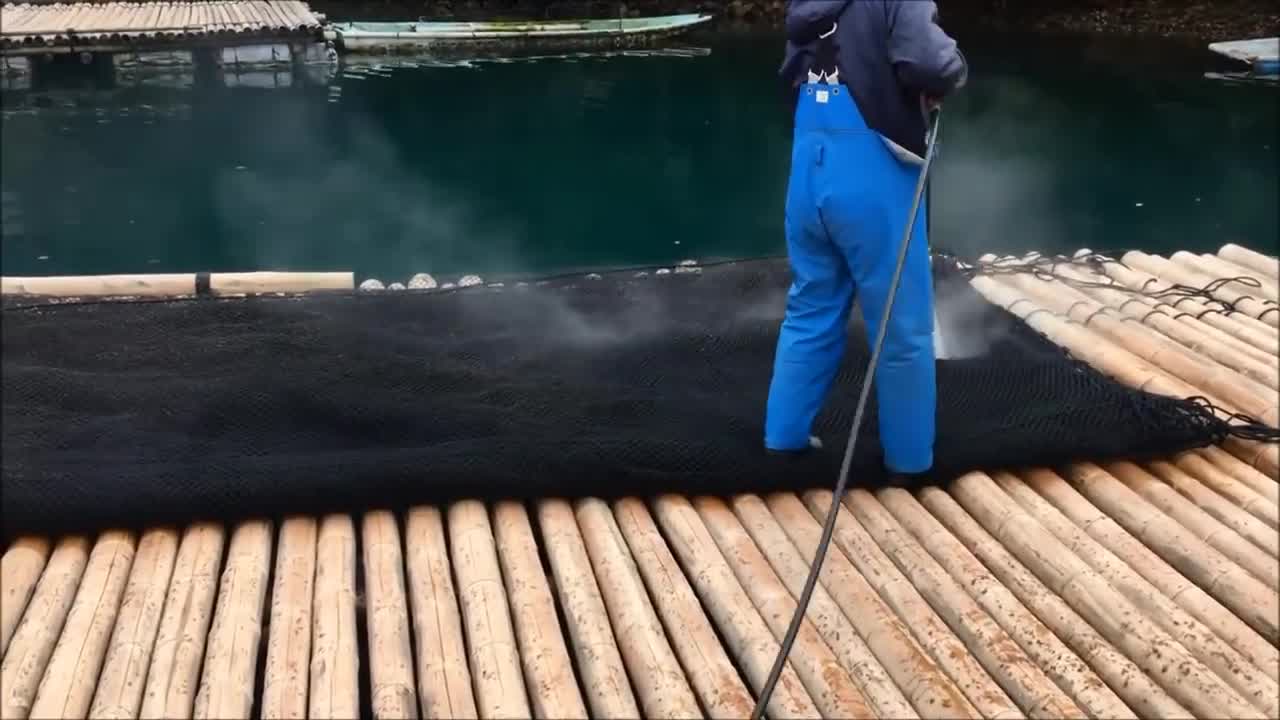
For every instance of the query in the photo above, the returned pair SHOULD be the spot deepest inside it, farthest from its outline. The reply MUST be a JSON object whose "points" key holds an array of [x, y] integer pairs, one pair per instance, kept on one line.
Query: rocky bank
{"points": [[1190, 19]]}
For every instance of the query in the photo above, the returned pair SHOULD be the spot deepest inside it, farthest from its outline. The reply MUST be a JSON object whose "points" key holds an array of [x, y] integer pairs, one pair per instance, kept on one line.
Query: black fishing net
{"points": [[148, 412]]}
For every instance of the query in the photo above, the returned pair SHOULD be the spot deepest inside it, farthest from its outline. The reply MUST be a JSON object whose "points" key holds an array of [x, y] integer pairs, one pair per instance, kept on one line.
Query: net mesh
{"points": [[168, 412]]}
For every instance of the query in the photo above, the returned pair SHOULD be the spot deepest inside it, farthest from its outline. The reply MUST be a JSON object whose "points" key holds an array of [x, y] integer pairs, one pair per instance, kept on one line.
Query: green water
{"points": [[558, 164]]}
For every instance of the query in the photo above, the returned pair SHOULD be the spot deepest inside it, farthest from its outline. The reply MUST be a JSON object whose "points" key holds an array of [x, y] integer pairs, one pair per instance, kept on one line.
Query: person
{"points": [[862, 74]]}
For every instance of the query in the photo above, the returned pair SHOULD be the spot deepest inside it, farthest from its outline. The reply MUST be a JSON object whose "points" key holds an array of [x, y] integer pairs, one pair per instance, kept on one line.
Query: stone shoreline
{"points": [[1187, 19]]}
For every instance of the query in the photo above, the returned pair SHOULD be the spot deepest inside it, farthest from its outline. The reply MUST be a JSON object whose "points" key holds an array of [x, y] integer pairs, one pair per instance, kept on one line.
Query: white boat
{"points": [[1262, 54], [364, 37]]}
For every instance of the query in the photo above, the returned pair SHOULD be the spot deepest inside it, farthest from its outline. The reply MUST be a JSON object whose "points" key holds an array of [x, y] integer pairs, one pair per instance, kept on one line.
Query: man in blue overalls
{"points": [[848, 199]]}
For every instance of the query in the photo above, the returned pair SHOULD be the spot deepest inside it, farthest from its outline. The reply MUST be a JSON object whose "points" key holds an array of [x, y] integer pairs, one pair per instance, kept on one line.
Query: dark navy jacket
{"points": [[889, 52]]}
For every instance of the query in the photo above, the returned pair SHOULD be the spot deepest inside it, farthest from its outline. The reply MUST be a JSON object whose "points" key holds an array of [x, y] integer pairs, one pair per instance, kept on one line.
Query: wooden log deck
{"points": [[1105, 590]]}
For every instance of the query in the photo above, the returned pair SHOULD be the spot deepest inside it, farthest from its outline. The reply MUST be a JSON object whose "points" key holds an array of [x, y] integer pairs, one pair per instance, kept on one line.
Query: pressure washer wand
{"points": [[828, 526]]}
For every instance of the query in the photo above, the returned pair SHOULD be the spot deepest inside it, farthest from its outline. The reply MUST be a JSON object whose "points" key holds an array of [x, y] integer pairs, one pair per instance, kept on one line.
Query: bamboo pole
{"points": [[604, 677], [121, 682], [856, 653], [1085, 344], [1180, 672], [1189, 489], [1188, 556], [335, 660], [1246, 394], [829, 684], [231, 656], [1258, 560], [1200, 337], [1191, 631], [1251, 336], [1251, 259], [20, 569], [1122, 365], [1211, 265], [66, 690], [1245, 303], [251, 283], [1264, 457], [443, 678], [495, 659], [1245, 270], [174, 673], [710, 671], [176, 284], [655, 672], [1243, 393], [548, 671], [1249, 300], [1142, 693], [1250, 330], [1205, 263], [284, 686], [1195, 335], [930, 689], [1243, 472], [392, 692], [33, 641], [746, 632], [911, 530], [101, 285], [1223, 484], [930, 631], [987, 641]]}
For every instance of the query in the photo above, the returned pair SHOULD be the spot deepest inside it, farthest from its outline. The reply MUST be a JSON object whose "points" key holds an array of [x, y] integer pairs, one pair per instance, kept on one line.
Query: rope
{"points": [[1235, 424], [1045, 267]]}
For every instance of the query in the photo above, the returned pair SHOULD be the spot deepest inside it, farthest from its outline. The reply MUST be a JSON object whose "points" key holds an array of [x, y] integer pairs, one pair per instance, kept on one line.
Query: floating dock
{"points": [[1124, 589], [166, 33], [72, 27]]}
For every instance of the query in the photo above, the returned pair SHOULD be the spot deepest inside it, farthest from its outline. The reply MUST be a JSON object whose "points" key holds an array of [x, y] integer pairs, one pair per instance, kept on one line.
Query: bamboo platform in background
{"points": [[1106, 590]]}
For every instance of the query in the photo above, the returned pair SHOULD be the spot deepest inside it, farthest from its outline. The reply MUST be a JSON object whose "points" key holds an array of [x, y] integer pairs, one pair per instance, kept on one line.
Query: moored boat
{"points": [[1261, 54], [364, 37]]}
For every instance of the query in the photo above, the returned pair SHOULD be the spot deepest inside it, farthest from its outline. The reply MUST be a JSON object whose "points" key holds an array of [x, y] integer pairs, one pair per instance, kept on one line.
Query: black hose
{"points": [[828, 526]]}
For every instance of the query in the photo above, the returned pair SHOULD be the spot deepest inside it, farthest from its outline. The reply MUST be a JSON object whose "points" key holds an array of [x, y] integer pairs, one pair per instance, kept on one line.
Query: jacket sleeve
{"points": [[925, 58], [807, 19]]}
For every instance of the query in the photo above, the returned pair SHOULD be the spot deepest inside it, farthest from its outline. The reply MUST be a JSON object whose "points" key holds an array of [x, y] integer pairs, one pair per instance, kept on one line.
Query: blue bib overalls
{"points": [[847, 203]]}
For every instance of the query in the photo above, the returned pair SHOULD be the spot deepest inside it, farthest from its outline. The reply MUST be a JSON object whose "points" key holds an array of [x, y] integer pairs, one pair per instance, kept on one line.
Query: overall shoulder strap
{"points": [[826, 62]]}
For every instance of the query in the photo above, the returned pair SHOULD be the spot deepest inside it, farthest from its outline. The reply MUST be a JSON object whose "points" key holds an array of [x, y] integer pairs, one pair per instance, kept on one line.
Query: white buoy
{"points": [[372, 285], [470, 280], [641, 274], [447, 286], [422, 281], [594, 276], [662, 271], [395, 286]]}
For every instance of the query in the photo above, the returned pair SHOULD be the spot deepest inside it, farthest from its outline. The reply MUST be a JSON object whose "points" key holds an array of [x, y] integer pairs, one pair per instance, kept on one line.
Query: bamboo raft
{"points": [[1109, 590]]}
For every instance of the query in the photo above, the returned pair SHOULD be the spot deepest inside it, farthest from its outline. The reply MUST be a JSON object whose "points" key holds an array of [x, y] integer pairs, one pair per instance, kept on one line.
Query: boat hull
{"points": [[1261, 54], [444, 38]]}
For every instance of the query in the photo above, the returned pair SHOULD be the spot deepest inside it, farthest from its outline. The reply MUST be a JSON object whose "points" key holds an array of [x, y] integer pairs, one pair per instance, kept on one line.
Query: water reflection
{"points": [[400, 164], [1243, 78], [373, 64]]}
